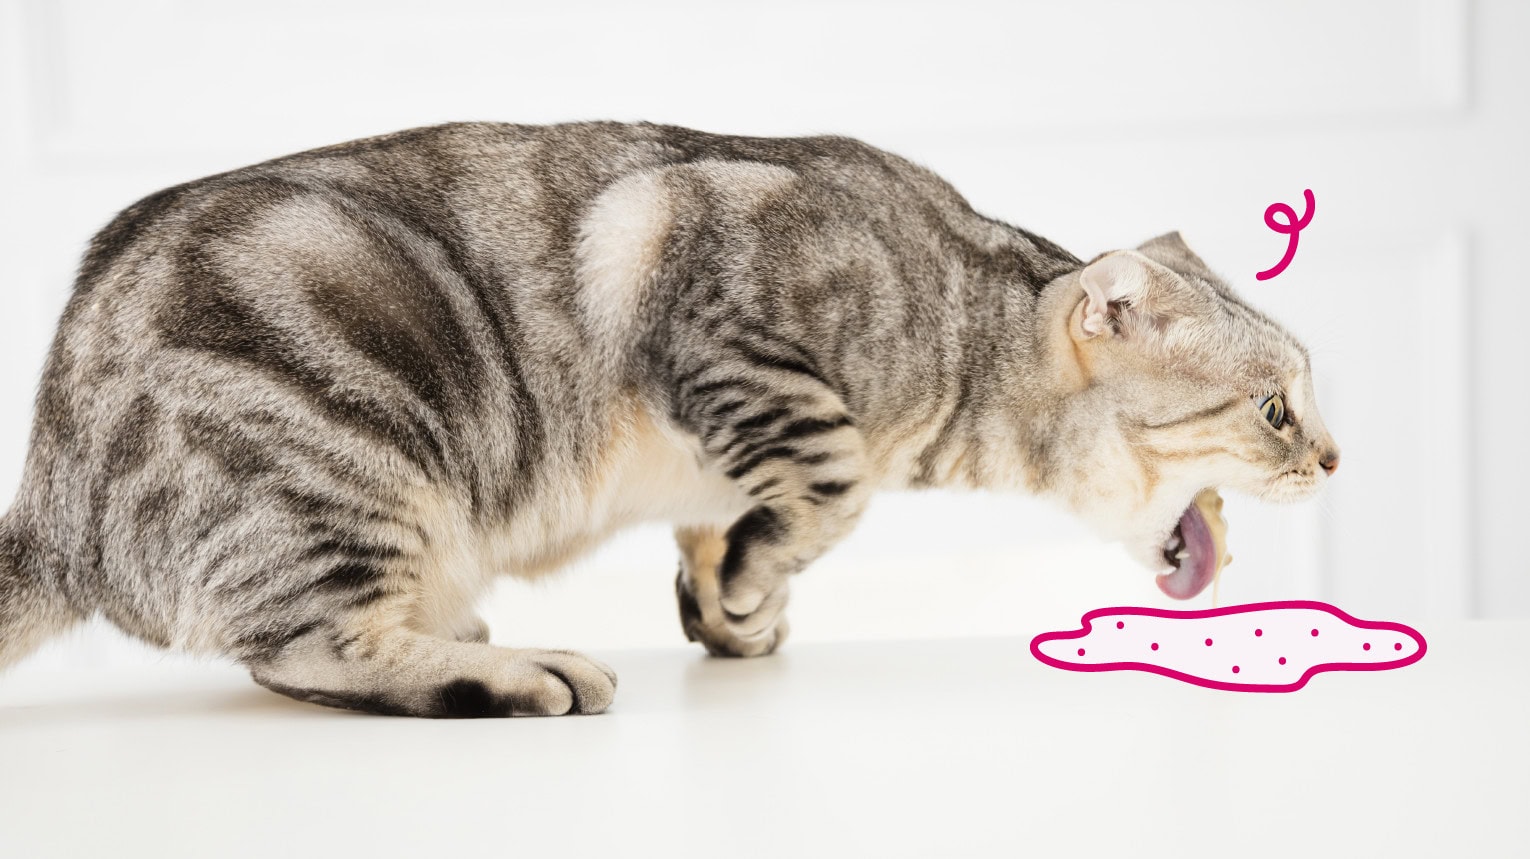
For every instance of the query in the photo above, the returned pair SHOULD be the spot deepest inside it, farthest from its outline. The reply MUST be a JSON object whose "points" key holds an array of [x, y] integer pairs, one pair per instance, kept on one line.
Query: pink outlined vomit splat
{"points": [[1257, 647]]}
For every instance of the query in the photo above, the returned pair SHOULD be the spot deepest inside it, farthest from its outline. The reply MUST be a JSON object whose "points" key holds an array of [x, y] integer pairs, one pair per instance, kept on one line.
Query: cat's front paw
{"points": [[725, 634]]}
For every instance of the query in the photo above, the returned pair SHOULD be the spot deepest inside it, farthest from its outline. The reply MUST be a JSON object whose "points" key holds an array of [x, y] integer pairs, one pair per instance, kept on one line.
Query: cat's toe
{"points": [[720, 640], [569, 682], [758, 621], [605, 669]]}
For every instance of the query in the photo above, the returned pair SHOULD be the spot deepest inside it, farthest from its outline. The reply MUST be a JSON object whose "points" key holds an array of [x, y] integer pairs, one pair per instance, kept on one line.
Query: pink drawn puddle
{"points": [[1257, 647]]}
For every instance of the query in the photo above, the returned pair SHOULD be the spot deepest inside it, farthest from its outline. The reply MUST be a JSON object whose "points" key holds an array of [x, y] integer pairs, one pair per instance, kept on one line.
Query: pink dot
{"points": [[1081, 651], [1235, 669], [1367, 645], [1282, 660], [1208, 642], [1259, 632], [1155, 645], [1397, 646], [1314, 633], [1120, 624]]}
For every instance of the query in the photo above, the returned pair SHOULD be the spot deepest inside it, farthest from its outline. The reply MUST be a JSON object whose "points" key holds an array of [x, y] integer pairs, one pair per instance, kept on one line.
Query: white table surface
{"points": [[933, 748]]}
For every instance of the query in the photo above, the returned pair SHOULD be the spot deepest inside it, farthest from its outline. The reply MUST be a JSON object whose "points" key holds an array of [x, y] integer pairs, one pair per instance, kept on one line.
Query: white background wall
{"points": [[1098, 124]]}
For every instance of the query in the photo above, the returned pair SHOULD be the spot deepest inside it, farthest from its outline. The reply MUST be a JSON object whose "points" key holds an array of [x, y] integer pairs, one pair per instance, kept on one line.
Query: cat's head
{"points": [[1179, 387]]}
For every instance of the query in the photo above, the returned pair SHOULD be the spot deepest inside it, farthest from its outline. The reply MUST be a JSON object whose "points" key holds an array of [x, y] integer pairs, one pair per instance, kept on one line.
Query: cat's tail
{"points": [[30, 611]]}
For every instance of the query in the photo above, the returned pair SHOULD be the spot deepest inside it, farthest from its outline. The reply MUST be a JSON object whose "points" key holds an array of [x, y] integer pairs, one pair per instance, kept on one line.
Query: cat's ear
{"points": [[1118, 294], [1171, 250]]}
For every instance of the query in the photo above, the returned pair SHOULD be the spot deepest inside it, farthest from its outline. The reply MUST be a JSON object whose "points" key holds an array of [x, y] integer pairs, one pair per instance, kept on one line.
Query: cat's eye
{"points": [[1274, 410]]}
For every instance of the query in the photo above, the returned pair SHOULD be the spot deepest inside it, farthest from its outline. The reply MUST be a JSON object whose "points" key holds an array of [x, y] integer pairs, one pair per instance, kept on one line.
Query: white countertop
{"points": [[930, 748]]}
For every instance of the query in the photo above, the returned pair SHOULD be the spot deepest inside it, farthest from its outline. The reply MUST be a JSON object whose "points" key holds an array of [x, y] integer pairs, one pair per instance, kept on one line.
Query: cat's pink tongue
{"points": [[1196, 570]]}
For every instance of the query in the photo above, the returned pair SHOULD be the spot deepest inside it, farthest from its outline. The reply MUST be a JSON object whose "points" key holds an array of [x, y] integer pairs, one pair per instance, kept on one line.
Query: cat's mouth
{"points": [[1194, 548]]}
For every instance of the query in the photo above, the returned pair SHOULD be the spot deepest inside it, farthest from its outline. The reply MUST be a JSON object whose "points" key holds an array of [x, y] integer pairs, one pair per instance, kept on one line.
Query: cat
{"points": [[301, 414]]}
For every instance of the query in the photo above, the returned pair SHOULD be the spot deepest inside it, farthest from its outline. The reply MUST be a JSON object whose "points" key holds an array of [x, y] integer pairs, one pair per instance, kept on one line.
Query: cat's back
{"points": [[394, 231], [474, 190]]}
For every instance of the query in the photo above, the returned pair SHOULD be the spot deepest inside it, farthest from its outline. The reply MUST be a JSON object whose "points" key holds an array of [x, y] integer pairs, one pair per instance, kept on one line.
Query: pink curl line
{"points": [[1291, 228]]}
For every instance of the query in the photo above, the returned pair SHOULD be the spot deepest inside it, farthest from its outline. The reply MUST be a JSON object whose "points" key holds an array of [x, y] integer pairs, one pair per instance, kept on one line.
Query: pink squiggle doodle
{"points": [[1257, 647], [1292, 229]]}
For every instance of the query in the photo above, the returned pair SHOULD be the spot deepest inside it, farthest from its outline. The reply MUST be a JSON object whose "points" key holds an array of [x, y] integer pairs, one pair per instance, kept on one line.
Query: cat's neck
{"points": [[1017, 411]]}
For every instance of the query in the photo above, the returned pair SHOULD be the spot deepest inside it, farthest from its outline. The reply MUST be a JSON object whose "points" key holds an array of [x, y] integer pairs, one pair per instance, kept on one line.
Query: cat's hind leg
{"points": [[396, 671], [368, 619]]}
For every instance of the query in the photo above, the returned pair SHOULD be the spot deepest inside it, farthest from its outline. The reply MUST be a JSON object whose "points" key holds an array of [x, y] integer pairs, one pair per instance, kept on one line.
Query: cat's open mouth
{"points": [[1195, 548]]}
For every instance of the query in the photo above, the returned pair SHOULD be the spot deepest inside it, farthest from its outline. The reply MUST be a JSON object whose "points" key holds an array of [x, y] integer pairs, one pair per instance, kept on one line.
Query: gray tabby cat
{"points": [[301, 414]]}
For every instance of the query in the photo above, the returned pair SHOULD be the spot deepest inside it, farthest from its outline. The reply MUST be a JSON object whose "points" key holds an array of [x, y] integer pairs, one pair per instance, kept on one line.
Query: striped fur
{"points": [[302, 413]]}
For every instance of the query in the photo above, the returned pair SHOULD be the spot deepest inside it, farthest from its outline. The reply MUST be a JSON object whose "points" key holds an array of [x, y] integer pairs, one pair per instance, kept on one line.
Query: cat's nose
{"points": [[1330, 460]]}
